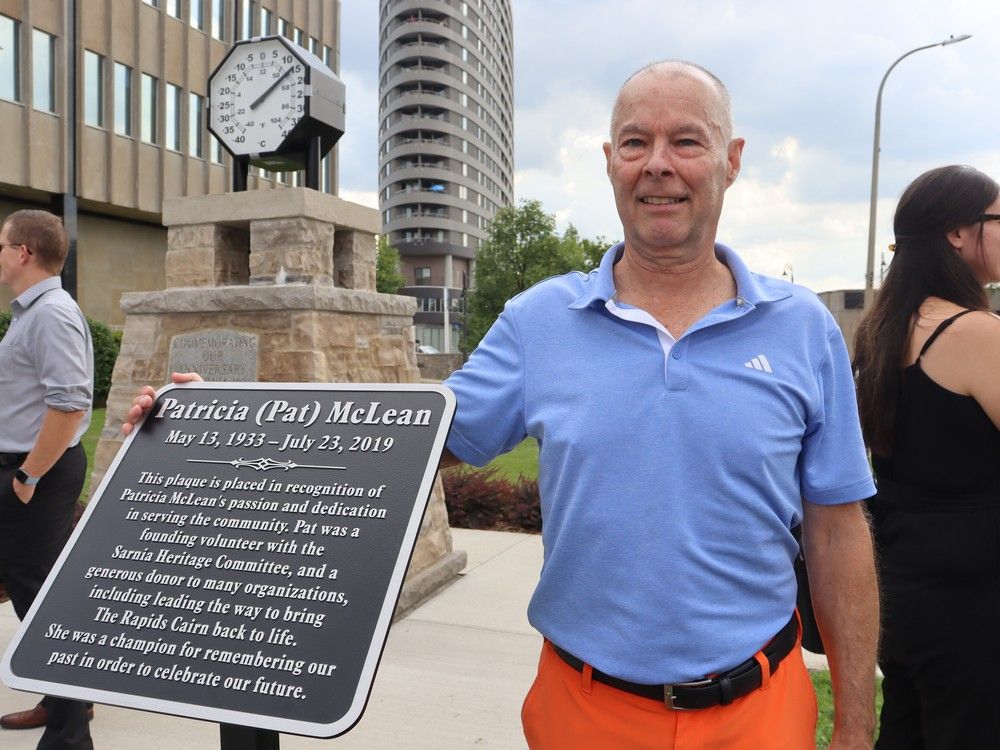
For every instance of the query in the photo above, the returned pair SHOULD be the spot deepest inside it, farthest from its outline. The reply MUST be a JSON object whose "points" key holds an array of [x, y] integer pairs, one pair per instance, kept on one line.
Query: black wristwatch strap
{"points": [[25, 478]]}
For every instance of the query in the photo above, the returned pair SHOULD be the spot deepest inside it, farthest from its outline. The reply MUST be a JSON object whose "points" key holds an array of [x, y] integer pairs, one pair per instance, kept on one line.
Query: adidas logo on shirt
{"points": [[759, 363]]}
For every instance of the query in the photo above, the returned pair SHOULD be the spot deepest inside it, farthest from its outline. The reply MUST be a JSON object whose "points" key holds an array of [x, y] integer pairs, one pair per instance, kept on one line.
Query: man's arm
{"points": [[841, 564], [58, 429]]}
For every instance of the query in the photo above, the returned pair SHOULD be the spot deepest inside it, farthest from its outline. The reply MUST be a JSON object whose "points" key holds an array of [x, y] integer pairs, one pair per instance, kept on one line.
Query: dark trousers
{"points": [[940, 574], [31, 538]]}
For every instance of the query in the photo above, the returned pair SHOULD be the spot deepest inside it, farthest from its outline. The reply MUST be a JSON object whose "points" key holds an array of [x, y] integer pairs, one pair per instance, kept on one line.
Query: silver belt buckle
{"points": [[669, 697]]}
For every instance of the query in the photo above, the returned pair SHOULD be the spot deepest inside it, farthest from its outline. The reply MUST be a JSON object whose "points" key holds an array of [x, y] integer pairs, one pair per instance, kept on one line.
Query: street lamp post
{"points": [[870, 268]]}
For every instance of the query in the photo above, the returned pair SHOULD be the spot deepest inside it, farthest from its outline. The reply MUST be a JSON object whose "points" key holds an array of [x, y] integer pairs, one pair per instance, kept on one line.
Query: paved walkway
{"points": [[453, 673]]}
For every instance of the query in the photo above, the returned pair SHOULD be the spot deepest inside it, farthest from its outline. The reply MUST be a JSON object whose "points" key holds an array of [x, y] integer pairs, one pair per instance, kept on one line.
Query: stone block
{"points": [[291, 250], [306, 366], [354, 260]]}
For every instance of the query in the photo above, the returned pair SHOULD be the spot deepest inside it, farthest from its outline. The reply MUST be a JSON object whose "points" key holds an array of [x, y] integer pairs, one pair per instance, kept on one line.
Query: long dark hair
{"points": [[924, 265]]}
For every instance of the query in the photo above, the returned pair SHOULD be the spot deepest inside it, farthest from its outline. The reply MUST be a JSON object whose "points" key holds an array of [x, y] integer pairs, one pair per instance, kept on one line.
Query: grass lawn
{"points": [[89, 441], [523, 460]]}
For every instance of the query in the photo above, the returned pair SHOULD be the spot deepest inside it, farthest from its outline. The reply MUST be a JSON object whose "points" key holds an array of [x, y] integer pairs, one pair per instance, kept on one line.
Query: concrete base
{"points": [[429, 581]]}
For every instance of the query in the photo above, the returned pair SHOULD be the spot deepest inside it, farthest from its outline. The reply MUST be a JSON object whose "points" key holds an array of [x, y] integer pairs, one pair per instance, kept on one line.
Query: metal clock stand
{"points": [[313, 166]]}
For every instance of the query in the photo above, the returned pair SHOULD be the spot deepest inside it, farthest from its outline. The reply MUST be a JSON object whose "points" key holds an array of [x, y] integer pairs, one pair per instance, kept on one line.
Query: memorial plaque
{"points": [[242, 558], [217, 354]]}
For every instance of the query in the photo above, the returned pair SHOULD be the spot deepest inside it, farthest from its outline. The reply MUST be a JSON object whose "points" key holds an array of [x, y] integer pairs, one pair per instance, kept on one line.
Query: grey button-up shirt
{"points": [[46, 361]]}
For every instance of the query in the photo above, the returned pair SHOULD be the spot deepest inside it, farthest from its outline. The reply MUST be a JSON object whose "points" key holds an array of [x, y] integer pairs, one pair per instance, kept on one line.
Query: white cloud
{"points": [[364, 197], [803, 79]]}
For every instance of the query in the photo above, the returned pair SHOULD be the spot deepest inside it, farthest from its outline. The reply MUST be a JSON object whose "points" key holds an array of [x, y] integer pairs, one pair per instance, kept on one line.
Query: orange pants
{"points": [[566, 710]]}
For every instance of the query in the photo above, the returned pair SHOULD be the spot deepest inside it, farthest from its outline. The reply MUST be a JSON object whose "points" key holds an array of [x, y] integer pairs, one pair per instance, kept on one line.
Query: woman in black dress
{"points": [[928, 363]]}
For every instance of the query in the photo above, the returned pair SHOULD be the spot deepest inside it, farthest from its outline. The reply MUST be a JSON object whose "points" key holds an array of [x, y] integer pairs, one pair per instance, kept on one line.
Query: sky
{"points": [[803, 78]]}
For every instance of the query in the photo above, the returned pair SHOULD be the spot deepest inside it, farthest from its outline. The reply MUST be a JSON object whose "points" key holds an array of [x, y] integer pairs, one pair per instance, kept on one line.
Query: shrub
{"points": [[106, 346], [479, 499]]}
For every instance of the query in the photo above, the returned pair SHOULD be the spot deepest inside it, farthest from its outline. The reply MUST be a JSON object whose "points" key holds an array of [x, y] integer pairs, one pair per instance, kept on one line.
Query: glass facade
{"points": [[172, 118], [43, 73], [10, 73], [148, 107], [93, 89], [123, 99], [195, 129]]}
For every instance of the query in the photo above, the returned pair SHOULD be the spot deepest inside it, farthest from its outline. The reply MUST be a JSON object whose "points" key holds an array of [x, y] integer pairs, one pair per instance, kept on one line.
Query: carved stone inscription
{"points": [[217, 355], [243, 556]]}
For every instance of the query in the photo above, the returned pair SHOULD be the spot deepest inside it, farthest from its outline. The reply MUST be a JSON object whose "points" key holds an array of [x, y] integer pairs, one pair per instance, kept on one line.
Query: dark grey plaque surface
{"points": [[216, 354], [242, 558]]}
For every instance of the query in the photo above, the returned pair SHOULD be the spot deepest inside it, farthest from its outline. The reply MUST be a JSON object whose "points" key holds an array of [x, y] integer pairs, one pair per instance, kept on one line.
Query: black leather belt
{"points": [[716, 691], [12, 459]]}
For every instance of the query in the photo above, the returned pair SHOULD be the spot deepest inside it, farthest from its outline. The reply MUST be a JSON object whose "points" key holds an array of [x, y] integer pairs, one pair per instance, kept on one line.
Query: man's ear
{"points": [[735, 158], [607, 157]]}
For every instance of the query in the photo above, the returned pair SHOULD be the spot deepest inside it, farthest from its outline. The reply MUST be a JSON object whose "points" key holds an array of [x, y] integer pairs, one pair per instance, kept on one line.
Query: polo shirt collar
{"points": [[749, 286], [28, 297]]}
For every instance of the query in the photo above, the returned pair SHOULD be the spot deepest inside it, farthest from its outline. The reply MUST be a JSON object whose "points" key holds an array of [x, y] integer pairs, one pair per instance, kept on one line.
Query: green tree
{"points": [[388, 277], [521, 248]]}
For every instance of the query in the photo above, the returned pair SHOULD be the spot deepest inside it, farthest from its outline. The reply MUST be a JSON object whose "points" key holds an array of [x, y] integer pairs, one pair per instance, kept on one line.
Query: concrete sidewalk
{"points": [[453, 674]]}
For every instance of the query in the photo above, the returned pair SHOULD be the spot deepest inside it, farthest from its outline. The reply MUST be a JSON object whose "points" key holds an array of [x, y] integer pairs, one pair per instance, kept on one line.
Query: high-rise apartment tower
{"points": [[446, 145]]}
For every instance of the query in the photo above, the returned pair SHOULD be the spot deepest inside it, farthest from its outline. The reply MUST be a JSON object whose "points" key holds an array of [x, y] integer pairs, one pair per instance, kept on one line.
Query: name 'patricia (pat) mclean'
{"points": [[278, 410]]}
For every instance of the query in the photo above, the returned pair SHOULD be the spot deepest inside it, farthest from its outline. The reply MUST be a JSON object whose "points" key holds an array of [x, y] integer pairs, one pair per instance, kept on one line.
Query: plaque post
{"points": [[235, 737]]}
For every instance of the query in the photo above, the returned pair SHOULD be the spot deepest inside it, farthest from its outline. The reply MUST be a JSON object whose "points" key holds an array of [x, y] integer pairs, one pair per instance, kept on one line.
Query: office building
{"points": [[102, 108], [446, 145]]}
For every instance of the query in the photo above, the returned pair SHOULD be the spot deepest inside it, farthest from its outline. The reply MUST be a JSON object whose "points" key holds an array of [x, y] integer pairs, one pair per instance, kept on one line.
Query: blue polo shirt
{"points": [[669, 475]]}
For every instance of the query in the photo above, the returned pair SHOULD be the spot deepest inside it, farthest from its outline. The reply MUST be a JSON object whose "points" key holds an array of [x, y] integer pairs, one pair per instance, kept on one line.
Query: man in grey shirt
{"points": [[46, 389]]}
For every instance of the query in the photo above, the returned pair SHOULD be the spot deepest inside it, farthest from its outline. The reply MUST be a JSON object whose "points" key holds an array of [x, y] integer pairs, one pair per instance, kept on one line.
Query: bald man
{"points": [[690, 414]]}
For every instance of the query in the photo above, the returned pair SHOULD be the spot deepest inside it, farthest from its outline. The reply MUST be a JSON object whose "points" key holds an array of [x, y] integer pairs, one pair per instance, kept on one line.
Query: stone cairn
{"points": [[275, 286]]}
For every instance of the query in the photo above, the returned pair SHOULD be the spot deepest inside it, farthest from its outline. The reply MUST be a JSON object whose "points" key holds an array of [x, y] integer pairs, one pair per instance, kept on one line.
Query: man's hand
{"points": [[143, 402], [23, 491]]}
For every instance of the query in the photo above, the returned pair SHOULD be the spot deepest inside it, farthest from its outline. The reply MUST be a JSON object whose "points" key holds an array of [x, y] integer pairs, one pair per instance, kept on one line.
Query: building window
{"points": [[149, 108], [429, 304], [174, 8], [219, 19], [298, 37], [246, 19], [314, 45], [266, 20], [196, 14], [93, 89], [283, 28], [194, 125], [43, 50], [216, 150], [9, 59], [328, 56], [123, 99], [172, 119], [854, 300], [422, 275], [154, 3]]}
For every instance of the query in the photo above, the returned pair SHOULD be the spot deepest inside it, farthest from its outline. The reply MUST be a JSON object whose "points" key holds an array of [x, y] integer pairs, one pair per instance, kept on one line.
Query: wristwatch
{"points": [[25, 478]]}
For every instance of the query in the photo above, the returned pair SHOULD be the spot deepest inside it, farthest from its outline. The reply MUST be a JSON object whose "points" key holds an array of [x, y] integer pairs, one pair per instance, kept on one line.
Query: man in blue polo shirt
{"points": [[689, 414]]}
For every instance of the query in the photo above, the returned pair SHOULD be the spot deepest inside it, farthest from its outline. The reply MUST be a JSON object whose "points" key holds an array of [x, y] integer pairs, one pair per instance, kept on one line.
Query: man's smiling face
{"points": [[670, 161]]}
